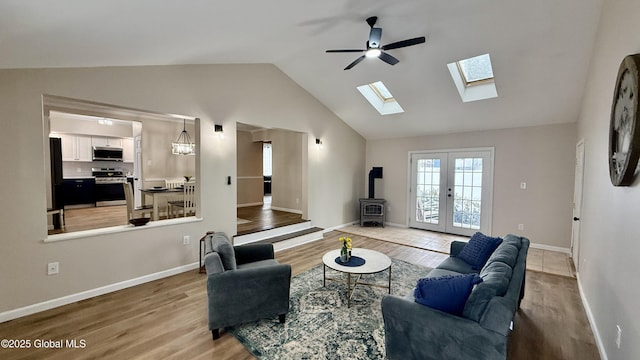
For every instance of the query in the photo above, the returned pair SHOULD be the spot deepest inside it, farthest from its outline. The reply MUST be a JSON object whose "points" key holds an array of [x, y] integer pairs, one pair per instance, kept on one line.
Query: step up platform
{"points": [[283, 237]]}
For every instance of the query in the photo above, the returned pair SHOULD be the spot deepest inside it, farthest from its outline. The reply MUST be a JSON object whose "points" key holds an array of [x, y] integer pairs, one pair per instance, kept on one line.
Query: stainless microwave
{"points": [[101, 153]]}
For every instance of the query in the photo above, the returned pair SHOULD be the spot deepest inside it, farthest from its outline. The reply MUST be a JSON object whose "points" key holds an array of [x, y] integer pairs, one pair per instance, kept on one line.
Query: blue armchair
{"points": [[244, 283]]}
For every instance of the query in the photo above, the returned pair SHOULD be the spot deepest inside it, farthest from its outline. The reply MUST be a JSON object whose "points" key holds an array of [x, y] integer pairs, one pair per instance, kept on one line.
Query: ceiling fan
{"points": [[375, 50]]}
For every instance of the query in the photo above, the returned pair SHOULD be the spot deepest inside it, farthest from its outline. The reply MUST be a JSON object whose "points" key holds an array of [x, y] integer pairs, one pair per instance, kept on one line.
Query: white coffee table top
{"points": [[374, 261]]}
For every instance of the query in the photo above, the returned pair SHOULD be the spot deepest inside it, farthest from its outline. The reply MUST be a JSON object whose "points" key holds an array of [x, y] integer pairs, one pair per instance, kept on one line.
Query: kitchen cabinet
{"points": [[78, 191], [76, 147], [128, 152], [106, 141]]}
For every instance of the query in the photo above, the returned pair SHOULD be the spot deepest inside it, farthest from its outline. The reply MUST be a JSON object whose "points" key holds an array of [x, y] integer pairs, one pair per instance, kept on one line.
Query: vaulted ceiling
{"points": [[540, 50]]}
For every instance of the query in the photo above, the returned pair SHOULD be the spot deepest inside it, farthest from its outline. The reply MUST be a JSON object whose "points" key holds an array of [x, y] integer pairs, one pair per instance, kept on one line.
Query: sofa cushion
{"points": [[438, 272], [513, 240], [446, 293], [478, 249], [506, 253], [497, 275], [259, 263], [458, 265], [495, 282], [221, 245]]}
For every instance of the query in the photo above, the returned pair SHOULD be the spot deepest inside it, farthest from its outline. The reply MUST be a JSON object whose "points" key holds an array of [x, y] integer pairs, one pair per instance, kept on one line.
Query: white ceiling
{"points": [[540, 50]]}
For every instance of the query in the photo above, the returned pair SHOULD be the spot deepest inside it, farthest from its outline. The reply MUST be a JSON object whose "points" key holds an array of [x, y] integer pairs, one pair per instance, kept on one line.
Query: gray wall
{"points": [[286, 181], [610, 239], [541, 156], [217, 94]]}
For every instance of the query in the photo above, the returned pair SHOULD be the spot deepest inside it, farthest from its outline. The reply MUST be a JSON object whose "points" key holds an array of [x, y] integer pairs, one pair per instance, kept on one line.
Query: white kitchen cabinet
{"points": [[106, 141], [76, 147], [85, 151], [128, 152]]}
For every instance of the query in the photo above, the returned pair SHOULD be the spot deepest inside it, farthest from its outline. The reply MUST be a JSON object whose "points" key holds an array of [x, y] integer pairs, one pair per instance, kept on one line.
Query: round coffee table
{"points": [[375, 262]]}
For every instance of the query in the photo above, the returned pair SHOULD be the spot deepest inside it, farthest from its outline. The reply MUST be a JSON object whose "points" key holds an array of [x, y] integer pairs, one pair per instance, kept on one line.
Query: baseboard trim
{"points": [[69, 299], [592, 322], [550, 248]]}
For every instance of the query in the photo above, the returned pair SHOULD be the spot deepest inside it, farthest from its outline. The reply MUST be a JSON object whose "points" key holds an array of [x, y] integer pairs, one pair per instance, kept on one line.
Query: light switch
{"points": [[523, 185]]}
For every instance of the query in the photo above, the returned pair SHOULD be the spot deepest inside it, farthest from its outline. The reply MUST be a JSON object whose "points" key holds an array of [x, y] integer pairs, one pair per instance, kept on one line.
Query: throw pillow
{"points": [[447, 293], [478, 249]]}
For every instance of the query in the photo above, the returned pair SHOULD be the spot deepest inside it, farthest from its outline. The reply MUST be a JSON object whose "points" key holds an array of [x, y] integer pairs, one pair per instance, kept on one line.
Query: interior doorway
{"points": [[271, 177], [267, 172], [452, 191]]}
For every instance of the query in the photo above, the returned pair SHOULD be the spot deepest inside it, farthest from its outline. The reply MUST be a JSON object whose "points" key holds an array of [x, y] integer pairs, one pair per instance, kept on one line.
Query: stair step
{"points": [[269, 233], [288, 236]]}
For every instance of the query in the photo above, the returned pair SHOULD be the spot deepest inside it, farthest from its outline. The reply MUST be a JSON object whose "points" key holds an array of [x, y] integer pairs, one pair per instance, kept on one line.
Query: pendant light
{"points": [[183, 145]]}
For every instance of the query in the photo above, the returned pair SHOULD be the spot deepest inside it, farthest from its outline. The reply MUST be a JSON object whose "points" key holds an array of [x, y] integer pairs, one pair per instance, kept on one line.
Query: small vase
{"points": [[344, 254]]}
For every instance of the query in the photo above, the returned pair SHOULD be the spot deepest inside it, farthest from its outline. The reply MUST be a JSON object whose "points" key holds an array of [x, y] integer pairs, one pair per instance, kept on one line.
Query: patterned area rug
{"points": [[319, 324]]}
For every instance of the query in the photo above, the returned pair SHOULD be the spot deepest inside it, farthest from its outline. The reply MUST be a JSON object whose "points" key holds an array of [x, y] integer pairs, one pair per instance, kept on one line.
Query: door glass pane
{"points": [[467, 196], [428, 191]]}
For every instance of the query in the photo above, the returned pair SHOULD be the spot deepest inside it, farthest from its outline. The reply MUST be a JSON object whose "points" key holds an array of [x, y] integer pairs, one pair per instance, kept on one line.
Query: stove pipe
{"points": [[374, 173]]}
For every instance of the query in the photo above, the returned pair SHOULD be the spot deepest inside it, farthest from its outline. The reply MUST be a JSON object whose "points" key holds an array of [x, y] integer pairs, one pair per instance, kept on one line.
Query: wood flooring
{"points": [[167, 318], [260, 217]]}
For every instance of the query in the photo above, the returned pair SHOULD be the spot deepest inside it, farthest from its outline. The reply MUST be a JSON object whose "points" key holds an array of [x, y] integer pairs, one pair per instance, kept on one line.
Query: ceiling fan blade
{"points": [[375, 36], [355, 62], [388, 58], [344, 51], [404, 43]]}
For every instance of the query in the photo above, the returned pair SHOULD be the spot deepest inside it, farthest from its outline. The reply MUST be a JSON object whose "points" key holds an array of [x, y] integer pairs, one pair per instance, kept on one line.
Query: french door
{"points": [[451, 191]]}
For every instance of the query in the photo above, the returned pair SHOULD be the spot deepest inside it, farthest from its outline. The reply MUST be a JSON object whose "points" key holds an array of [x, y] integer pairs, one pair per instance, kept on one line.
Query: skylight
{"points": [[473, 77], [380, 98], [475, 69]]}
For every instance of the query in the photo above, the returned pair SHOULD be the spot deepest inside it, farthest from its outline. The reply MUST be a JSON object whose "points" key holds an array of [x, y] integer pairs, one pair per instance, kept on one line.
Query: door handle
{"points": [[576, 218]]}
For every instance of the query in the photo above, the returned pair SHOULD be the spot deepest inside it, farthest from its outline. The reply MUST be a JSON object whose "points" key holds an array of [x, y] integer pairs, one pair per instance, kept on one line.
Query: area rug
{"points": [[319, 324]]}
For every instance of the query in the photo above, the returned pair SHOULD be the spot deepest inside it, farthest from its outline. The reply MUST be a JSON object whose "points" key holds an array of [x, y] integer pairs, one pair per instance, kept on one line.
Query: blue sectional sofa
{"points": [[415, 331]]}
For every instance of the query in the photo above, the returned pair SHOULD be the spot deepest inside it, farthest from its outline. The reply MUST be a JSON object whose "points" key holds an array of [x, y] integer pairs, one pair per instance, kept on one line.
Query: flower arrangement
{"points": [[345, 252]]}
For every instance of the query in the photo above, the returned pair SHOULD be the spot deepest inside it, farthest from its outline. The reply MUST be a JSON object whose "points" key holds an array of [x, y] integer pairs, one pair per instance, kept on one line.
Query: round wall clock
{"points": [[624, 134]]}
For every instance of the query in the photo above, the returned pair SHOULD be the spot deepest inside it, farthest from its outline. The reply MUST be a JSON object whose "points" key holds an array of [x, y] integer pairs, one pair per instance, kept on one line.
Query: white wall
{"points": [[217, 94], [610, 240], [541, 156]]}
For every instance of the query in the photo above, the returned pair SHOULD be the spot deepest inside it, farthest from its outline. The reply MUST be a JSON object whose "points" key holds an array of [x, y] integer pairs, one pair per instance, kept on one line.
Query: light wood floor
{"points": [[167, 318], [551, 262]]}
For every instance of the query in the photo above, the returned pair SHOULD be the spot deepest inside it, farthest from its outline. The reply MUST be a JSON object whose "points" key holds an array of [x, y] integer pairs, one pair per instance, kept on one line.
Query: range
{"points": [[109, 189]]}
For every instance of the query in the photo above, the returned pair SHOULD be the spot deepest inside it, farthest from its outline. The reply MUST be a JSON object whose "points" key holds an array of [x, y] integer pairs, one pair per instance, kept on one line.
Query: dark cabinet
{"points": [[79, 191]]}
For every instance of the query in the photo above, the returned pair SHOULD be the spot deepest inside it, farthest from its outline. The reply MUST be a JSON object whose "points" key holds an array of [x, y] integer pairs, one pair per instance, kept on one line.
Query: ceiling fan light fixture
{"points": [[373, 53]]}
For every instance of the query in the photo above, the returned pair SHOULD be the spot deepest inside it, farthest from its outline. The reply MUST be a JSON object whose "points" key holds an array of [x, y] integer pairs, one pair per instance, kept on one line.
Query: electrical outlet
{"points": [[520, 226], [186, 240], [53, 268], [618, 336], [523, 185]]}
